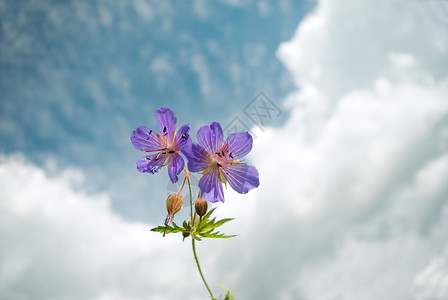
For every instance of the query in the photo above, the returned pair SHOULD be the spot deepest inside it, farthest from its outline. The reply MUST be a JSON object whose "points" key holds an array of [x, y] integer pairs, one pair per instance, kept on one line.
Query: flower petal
{"points": [[182, 137], [166, 120], [144, 139], [241, 177], [211, 187], [151, 163], [239, 145], [175, 166], [198, 159], [210, 137]]}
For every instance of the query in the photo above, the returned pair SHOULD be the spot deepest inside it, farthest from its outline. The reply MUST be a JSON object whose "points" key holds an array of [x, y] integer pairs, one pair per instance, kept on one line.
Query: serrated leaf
{"points": [[204, 226], [205, 229], [169, 229], [216, 235], [213, 224], [223, 221], [158, 228], [177, 227], [207, 215], [229, 294]]}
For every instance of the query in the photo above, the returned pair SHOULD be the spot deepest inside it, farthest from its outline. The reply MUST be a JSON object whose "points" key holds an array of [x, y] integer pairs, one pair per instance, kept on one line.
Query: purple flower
{"points": [[164, 146], [220, 162]]}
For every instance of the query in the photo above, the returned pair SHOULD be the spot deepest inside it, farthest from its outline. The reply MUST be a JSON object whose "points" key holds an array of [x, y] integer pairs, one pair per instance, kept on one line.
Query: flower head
{"points": [[220, 162], [164, 146]]}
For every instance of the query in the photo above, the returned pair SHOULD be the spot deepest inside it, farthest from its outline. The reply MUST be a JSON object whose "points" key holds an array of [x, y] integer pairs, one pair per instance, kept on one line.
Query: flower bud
{"points": [[174, 203], [201, 206], [185, 234]]}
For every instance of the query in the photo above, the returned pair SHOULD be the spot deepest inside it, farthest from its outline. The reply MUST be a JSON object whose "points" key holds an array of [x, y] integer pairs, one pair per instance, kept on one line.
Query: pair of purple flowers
{"points": [[217, 160]]}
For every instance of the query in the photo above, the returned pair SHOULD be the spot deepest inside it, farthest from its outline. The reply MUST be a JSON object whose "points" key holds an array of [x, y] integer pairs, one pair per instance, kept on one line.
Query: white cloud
{"points": [[106, 16], [60, 243], [254, 54], [352, 202], [202, 70], [236, 3], [200, 8], [346, 44], [148, 10], [379, 257], [432, 282], [163, 69], [263, 8], [144, 9], [119, 80]]}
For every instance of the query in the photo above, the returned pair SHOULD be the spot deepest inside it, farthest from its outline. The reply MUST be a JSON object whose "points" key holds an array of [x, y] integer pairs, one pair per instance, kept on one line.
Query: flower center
{"points": [[221, 158], [170, 150], [223, 155]]}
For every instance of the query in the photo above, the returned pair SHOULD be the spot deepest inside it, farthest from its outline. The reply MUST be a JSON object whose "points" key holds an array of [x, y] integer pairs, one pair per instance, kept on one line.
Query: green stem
{"points": [[199, 268], [191, 203], [193, 243]]}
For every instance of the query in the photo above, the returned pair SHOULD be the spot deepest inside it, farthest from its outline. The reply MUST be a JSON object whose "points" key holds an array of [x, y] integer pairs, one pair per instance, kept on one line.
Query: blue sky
{"points": [[78, 76], [352, 202]]}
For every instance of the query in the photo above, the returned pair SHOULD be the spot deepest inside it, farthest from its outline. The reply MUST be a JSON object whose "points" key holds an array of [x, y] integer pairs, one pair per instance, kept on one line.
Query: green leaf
{"points": [[217, 235], [168, 229], [229, 295], [205, 228], [223, 221], [212, 224], [207, 215]]}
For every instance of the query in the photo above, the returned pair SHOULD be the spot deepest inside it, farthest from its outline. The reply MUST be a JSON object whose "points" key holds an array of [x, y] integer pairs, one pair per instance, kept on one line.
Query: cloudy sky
{"points": [[352, 156]]}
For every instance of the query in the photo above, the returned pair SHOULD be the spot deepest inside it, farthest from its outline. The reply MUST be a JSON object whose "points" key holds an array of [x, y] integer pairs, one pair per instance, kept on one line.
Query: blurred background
{"points": [[347, 101]]}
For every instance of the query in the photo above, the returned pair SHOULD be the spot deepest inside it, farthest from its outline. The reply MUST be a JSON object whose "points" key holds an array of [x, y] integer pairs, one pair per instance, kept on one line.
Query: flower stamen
{"points": [[153, 150]]}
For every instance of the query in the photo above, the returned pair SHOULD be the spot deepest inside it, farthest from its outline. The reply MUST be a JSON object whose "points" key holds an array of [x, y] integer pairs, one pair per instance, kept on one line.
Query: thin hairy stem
{"points": [[182, 186], [193, 242], [199, 268]]}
